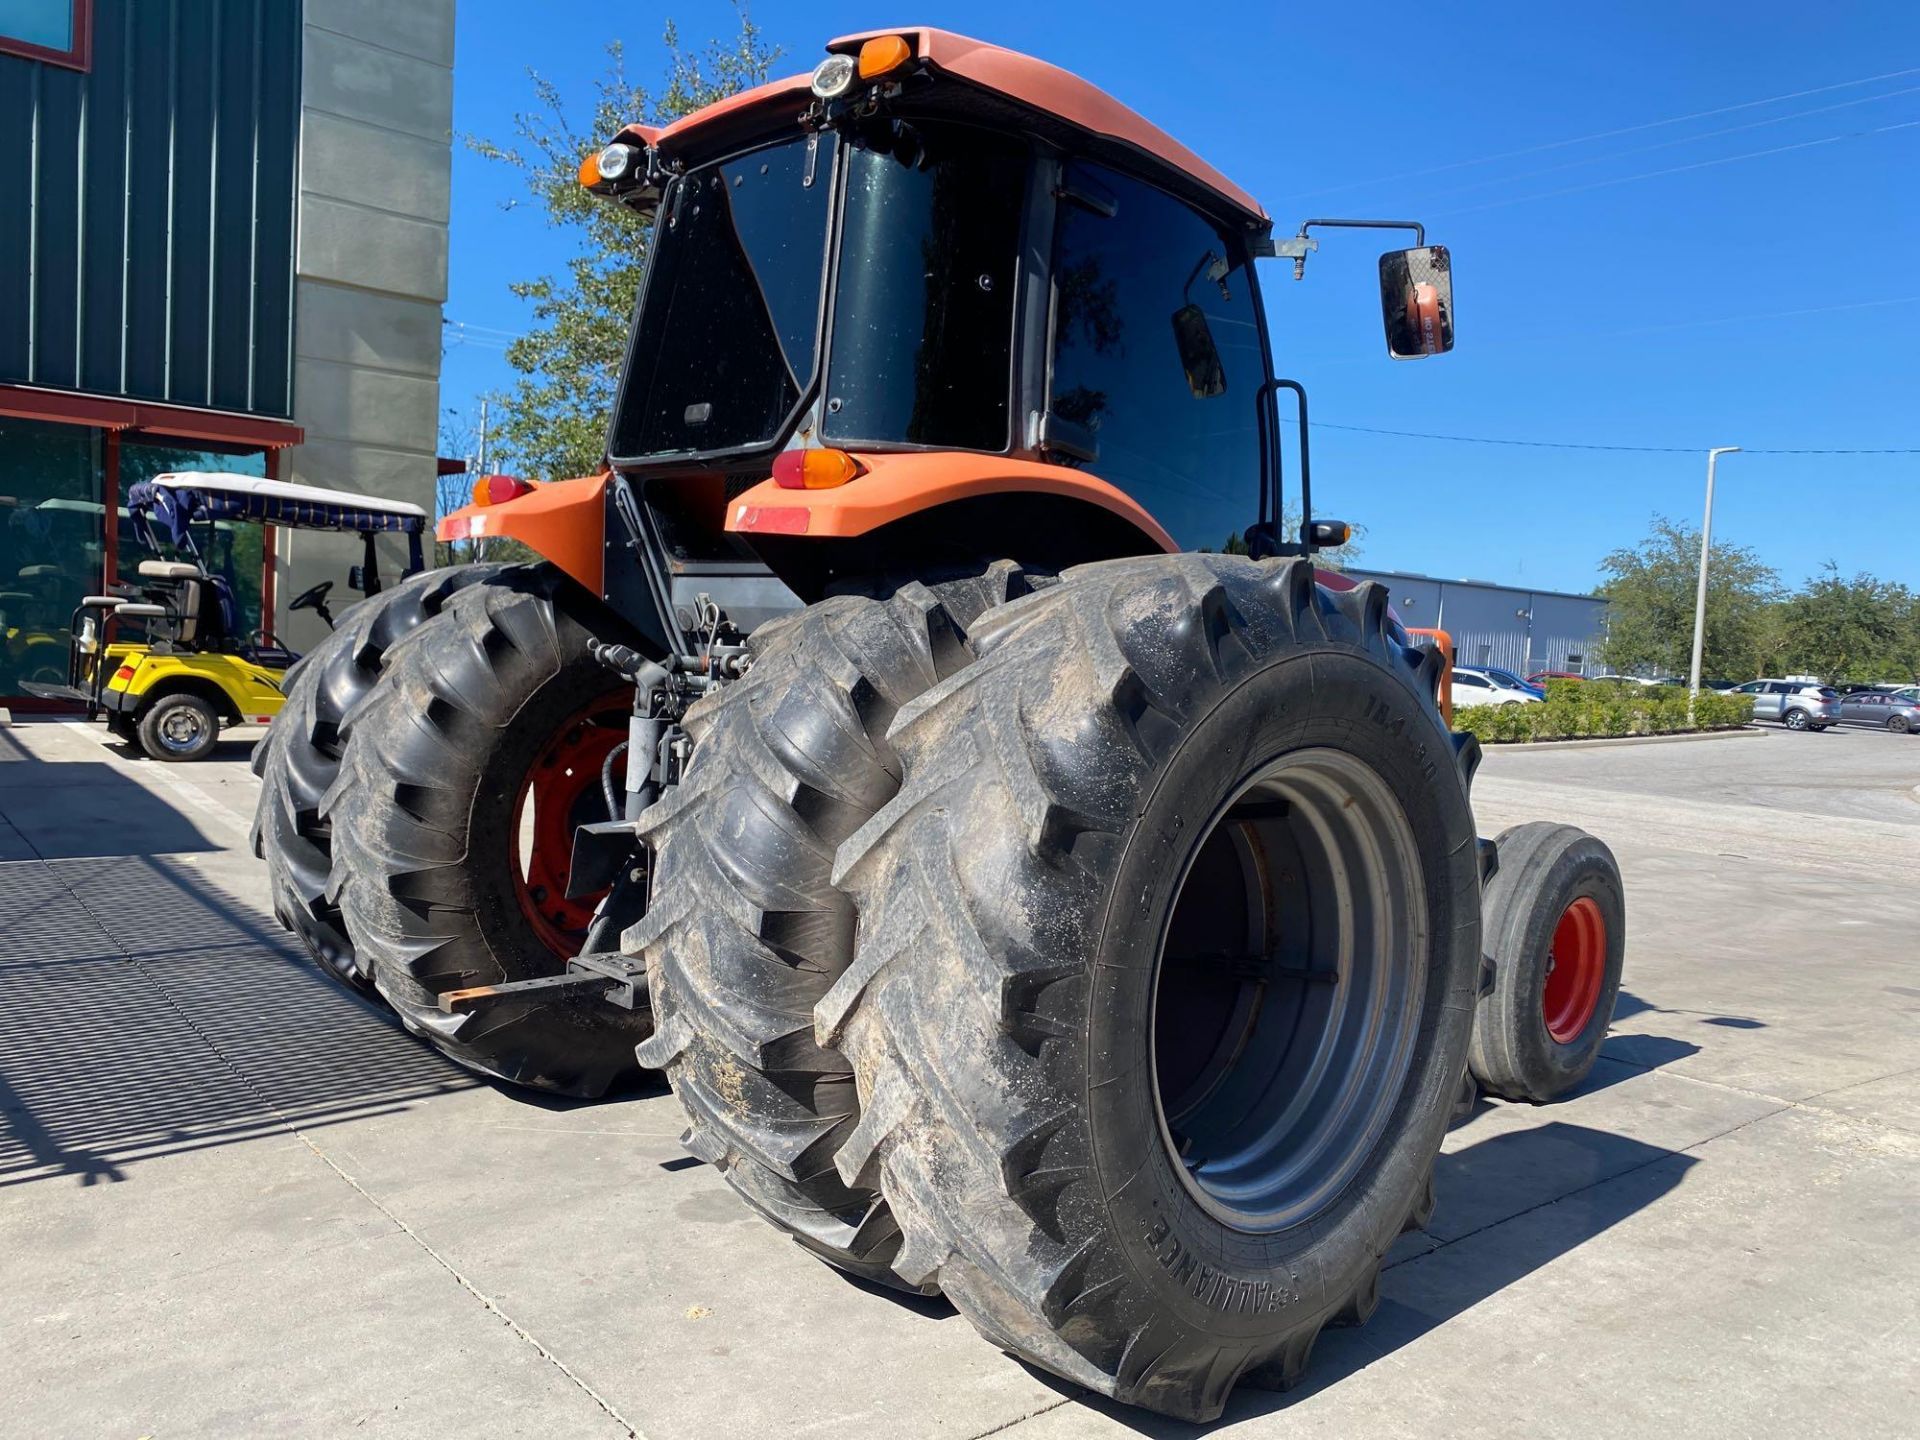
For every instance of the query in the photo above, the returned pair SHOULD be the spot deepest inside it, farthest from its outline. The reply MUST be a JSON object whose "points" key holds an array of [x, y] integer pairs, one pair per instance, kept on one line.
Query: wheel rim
{"points": [[1796, 720], [1287, 990], [561, 790], [1576, 965], [181, 729]]}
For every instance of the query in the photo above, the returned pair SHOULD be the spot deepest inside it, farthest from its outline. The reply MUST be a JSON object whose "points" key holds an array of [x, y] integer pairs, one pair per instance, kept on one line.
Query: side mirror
{"points": [[1416, 301], [357, 577], [1199, 356]]}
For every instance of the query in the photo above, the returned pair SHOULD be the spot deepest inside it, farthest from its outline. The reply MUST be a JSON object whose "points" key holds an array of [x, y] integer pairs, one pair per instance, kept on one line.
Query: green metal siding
{"points": [[146, 207]]}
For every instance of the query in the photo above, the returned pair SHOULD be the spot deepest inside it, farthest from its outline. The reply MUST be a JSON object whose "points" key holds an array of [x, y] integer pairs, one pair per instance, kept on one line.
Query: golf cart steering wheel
{"points": [[314, 597]]}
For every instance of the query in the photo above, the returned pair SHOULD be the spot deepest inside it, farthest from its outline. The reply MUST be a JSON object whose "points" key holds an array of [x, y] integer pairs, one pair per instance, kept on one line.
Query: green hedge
{"points": [[1576, 709]]}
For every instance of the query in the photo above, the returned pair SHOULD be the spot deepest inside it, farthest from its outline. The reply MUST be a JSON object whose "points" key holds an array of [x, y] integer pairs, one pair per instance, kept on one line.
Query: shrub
{"points": [[1575, 710]]}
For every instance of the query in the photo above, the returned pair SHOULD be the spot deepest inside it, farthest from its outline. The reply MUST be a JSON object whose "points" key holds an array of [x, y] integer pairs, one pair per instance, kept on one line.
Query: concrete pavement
{"points": [[234, 1199]]}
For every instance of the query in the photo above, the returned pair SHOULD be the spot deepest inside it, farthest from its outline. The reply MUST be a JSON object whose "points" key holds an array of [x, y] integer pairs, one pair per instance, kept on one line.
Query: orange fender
{"points": [[564, 521], [898, 485]]}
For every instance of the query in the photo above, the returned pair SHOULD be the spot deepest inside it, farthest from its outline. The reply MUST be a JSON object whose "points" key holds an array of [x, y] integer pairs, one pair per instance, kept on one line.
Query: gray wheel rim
{"points": [[1796, 720], [1272, 1111], [181, 729]]}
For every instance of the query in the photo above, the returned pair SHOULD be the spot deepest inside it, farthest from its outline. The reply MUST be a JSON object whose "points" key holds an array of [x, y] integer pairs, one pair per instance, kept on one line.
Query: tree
{"points": [[1651, 589], [553, 422], [1858, 629]]}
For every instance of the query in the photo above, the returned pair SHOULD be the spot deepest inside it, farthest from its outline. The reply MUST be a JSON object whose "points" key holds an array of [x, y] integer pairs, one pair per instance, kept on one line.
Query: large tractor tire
{"points": [[1165, 970], [748, 931], [465, 769], [1555, 921], [299, 759]]}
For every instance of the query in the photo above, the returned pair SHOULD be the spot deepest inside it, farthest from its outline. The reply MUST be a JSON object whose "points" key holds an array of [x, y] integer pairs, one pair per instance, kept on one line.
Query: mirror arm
{"points": [[1302, 245]]}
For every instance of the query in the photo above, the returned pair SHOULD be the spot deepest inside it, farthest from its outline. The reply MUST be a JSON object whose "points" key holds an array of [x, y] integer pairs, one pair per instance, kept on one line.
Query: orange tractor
{"points": [[926, 744]]}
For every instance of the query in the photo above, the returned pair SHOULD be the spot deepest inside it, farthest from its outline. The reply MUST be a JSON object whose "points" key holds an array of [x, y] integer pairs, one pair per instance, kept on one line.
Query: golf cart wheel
{"points": [[299, 759], [1555, 922], [1167, 955], [750, 931], [179, 727], [465, 769]]}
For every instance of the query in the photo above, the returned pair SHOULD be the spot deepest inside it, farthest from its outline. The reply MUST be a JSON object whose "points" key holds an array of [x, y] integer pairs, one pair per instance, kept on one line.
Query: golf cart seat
{"points": [[169, 570]]}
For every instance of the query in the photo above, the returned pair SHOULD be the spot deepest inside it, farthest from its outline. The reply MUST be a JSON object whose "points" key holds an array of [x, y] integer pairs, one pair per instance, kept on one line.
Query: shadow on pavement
{"points": [[145, 1011], [1600, 1179]]}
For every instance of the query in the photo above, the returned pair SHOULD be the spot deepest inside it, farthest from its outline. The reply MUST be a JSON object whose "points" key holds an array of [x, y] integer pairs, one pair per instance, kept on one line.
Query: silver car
{"points": [[1897, 710], [1796, 704]]}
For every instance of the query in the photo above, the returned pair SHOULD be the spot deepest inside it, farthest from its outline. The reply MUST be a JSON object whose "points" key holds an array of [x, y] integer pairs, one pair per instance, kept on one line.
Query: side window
{"points": [[1473, 681], [1156, 356]]}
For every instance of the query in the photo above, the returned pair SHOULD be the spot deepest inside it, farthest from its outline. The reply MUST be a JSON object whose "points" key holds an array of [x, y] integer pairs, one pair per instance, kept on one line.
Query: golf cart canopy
{"points": [[179, 497], [166, 507]]}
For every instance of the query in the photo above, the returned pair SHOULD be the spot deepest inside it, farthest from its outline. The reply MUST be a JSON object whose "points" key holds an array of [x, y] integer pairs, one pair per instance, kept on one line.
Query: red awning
{"points": [[144, 420]]}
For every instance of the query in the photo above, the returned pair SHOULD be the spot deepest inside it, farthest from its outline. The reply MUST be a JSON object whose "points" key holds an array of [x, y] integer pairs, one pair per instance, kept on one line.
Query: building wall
{"points": [[1519, 630], [376, 130], [146, 207]]}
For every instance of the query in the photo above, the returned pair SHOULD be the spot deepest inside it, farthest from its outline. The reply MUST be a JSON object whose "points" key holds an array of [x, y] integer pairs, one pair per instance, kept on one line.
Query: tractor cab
{"points": [[167, 661], [937, 291]]}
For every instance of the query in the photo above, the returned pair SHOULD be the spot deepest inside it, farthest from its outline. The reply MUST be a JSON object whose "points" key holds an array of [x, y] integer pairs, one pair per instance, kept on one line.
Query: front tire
{"points": [[1555, 925], [489, 724], [179, 727], [1175, 797]]}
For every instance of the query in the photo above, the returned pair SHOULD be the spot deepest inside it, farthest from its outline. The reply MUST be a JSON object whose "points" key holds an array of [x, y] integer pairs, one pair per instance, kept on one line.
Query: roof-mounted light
{"points": [[883, 55], [616, 162], [834, 76]]}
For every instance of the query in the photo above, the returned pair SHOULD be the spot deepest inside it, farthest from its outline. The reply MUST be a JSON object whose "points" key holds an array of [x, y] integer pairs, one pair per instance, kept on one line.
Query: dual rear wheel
{"points": [[419, 796]]}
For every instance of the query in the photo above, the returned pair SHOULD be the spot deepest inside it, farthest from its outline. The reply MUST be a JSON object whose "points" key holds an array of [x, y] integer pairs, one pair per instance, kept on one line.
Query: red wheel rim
{"points": [[563, 787], [1576, 965]]}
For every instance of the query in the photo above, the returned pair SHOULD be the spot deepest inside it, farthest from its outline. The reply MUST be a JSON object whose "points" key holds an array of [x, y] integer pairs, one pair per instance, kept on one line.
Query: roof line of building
{"points": [[1469, 580]]}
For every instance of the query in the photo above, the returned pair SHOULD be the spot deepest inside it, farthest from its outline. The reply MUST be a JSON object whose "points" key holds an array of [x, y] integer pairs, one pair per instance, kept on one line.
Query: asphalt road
{"points": [[234, 1200]]}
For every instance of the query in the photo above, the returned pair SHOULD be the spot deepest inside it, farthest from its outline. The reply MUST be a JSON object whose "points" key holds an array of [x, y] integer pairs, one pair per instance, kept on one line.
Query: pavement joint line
{"points": [[1007, 1425], [1782, 1108], [486, 1301], [1803, 1103]]}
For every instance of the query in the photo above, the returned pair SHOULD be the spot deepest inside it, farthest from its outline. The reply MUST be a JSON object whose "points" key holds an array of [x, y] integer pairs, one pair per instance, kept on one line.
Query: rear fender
{"points": [[562, 521], [897, 487]]}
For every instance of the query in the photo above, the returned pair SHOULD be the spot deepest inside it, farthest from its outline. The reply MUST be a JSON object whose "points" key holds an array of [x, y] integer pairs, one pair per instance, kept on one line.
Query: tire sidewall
{"points": [[509, 936], [1215, 1278]]}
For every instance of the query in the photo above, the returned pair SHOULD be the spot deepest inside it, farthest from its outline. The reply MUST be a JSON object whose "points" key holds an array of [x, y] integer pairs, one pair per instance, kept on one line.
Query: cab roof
{"points": [[1028, 82]]}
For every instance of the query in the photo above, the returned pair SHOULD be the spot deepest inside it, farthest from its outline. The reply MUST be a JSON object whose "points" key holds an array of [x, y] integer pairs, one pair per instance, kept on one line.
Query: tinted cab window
{"points": [[1137, 293], [923, 309]]}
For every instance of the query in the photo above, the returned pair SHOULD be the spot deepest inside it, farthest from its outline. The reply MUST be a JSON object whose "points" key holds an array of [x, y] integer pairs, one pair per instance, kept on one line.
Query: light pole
{"points": [[1700, 597]]}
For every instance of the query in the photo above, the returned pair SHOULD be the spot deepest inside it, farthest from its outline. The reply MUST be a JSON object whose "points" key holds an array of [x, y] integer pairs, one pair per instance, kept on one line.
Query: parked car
{"points": [[1882, 710], [1508, 678], [1617, 680], [1540, 677], [1479, 687], [1796, 704]]}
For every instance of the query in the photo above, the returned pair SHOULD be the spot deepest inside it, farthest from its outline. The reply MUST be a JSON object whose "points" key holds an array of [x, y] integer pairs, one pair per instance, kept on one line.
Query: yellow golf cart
{"points": [[166, 663]]}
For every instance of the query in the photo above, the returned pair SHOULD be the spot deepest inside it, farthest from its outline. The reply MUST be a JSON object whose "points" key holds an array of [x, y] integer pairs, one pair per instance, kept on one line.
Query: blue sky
{"points": [[1764, 300]]}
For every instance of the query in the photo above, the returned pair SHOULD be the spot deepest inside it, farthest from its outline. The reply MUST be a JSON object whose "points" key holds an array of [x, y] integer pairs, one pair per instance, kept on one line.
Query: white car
{"points": [[1477, 687]]}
